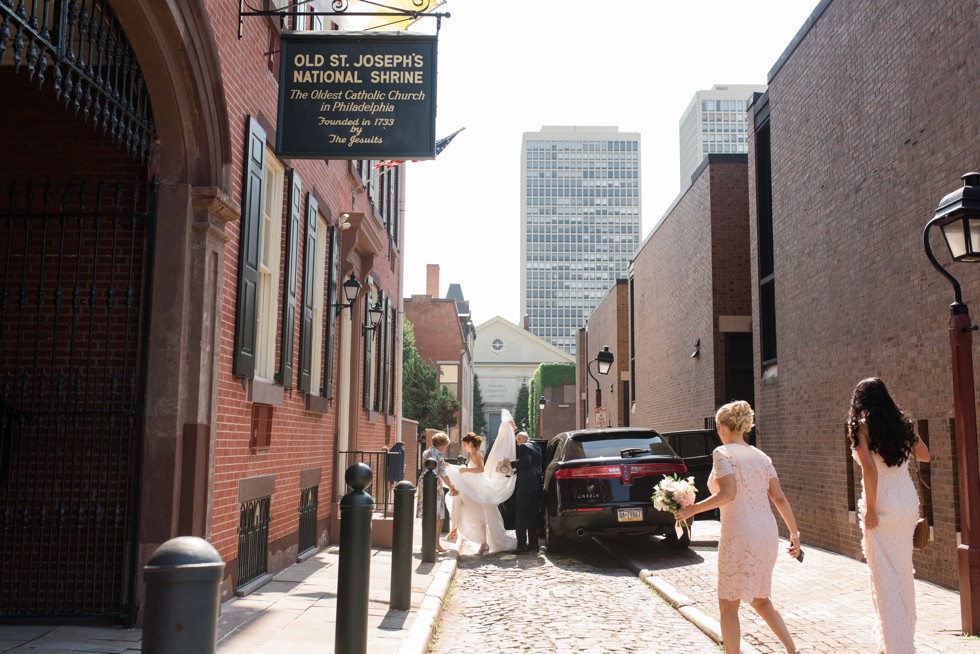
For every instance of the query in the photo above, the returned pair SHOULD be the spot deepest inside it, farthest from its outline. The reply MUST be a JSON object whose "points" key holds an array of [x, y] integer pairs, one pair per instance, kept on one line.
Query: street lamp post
{"points": [[958, 216], [541, 404], [604, 361]]}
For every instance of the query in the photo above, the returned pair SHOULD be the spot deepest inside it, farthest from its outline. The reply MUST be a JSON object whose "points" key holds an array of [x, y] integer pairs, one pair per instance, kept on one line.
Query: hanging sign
{"points": [[357, 96]]}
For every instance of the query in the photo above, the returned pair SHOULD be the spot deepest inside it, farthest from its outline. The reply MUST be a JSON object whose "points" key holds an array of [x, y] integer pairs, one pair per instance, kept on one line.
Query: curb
{"points": [[424, 625], [677, 600]]}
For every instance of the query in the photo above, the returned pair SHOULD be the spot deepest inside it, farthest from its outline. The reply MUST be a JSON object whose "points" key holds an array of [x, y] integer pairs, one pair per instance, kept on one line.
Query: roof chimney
{"points": [[432, 280]]}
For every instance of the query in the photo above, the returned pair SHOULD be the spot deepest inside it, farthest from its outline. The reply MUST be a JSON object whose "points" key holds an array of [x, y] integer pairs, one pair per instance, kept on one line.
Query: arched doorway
{"points": [[78, 195]]}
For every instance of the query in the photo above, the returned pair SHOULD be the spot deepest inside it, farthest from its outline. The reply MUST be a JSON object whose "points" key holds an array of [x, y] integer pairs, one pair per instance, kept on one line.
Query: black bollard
{"points": [[429, 490], [183, 597], [401, 547], [354, 566]]}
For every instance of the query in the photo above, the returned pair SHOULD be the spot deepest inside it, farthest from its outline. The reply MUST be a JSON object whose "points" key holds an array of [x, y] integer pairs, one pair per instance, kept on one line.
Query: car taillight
{"points": [[626, 473], [589, 472], [631, 472]]}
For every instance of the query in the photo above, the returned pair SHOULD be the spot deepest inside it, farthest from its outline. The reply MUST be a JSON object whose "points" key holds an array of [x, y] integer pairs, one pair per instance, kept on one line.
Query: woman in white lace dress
{"points": [[742, 483], [883, 439]]}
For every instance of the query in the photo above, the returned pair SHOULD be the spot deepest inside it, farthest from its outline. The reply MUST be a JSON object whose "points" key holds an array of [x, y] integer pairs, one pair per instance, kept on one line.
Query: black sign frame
{"points": [[357, 95]]}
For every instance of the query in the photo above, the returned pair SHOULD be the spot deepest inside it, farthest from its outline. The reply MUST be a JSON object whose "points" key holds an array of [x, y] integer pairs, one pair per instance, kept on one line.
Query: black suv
{"points": [[599, 481]]}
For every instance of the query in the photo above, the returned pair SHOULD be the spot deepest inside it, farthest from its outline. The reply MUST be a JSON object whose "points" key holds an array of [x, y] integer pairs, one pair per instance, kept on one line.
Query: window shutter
{"points": [[385, 345], [248, 252], [395, 362], [289, 283], [368, 349], [306, 334], [333, 274]]}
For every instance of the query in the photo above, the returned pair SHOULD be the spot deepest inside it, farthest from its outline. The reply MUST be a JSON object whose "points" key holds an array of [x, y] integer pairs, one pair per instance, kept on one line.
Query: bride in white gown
{"points": [[482, 487]]}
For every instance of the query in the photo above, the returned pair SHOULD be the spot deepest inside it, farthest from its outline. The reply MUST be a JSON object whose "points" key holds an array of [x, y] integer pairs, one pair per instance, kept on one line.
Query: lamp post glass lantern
{"points": [[374, 315], [351, 288], [958, 217], [604, 361]]}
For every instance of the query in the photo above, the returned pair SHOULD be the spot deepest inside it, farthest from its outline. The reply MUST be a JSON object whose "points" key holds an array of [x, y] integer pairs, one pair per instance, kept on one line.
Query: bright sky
{"points": [[510, 68]]}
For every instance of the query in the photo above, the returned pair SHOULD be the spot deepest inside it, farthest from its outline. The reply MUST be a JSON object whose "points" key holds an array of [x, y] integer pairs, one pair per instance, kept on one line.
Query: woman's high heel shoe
{"points": [[484, 549]]}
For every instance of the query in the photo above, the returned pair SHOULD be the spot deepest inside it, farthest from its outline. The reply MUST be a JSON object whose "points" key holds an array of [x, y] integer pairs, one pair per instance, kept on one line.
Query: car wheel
{"points": [[556, 544], [676, 543]]}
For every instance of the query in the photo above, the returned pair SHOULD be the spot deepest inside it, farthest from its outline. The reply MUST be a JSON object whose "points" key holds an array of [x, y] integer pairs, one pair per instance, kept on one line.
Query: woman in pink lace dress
{"points": [[742, 483], [883, 439]]}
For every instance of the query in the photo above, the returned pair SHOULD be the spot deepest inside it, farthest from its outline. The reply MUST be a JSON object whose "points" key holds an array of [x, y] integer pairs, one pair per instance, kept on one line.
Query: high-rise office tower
{"points": [[580, 224], [714, 122]]}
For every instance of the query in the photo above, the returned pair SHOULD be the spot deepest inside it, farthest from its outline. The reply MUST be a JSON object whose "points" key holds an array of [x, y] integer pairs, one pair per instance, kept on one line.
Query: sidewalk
{"points": [[826, 601], [295, 613]]}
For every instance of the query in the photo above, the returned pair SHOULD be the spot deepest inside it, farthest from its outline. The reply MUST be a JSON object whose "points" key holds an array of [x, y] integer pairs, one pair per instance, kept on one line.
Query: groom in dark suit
{"points": [[528, 466]]}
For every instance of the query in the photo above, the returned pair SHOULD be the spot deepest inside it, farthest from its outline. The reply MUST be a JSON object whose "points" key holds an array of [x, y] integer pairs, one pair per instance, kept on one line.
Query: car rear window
{"points": [[591, 446]]}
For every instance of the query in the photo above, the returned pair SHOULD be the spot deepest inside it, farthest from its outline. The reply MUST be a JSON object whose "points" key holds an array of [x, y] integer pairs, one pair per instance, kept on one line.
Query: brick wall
{"points": [[300, 439], [608, 325], [692, 269], [873, 120]]}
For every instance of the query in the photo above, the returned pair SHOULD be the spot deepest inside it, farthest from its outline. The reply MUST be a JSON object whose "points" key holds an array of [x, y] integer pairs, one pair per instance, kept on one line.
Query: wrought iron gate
{"points": [[308, 502], [73, 308]]}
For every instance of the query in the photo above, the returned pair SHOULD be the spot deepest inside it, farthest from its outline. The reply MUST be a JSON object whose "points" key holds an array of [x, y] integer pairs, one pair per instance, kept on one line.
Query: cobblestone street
{"points": [[583, 602], [826, 601]]}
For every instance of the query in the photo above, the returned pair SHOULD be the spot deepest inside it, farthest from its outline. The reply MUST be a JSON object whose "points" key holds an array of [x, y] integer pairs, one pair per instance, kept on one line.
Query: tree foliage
{"points": [[521, 406], [479, 420], [423, 398]]}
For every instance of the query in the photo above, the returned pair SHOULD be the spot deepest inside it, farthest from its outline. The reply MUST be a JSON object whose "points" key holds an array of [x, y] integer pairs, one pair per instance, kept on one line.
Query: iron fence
{"points": [[253, 540], [388, 469], [308, 502]]}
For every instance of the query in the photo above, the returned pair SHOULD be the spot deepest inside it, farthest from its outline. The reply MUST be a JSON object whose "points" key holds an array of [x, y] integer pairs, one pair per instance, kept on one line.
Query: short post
{"points": [[183, 597], [401, 547], [429, 490], [354, 566]]}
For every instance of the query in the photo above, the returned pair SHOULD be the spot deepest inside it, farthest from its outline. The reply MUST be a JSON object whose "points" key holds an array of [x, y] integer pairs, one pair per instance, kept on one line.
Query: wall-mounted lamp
{"points": [[344, 222], [374, 316], [352, 288], [542, 402], [697, 349]]}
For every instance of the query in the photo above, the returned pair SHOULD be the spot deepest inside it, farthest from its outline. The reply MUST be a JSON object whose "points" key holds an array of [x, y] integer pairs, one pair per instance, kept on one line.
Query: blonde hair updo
{"points": [[737, 416]]}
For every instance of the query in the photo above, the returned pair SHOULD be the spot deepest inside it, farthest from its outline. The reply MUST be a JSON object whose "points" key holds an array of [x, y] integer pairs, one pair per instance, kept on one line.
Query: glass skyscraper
{"points": [[714, 123], [580, 224]]}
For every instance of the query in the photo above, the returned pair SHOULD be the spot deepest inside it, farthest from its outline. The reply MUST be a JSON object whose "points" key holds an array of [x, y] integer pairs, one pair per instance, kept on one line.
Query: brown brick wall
{"points": [[608, 325], [693, 268], [873, 120], [437, 331], [300, 439]]}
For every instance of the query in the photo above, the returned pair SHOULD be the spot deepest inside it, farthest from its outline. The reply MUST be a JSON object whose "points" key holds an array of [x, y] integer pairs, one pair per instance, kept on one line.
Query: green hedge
{"points": [[546, 376]]}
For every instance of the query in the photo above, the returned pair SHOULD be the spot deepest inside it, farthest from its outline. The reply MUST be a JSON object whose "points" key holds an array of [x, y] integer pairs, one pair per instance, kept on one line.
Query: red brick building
{"points": [[869, 120], [606, 326], [691, 303], [174, 357], [444, 336]]}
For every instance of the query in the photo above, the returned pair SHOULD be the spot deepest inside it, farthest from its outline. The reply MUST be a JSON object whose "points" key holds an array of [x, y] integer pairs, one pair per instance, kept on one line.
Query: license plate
{"points": [[629, 515]]}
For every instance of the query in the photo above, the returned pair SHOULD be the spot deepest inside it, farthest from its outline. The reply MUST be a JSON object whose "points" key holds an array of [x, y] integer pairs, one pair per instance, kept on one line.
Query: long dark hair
{"points": [[890, 432]]}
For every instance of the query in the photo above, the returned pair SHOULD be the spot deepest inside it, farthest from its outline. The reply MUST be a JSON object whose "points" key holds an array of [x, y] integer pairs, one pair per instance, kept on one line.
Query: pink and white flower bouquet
{"points": [[671, 494]]}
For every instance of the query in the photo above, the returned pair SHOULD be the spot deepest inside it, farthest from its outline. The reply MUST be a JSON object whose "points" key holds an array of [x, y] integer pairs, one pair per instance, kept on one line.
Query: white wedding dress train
{"points": [[475, 509]]}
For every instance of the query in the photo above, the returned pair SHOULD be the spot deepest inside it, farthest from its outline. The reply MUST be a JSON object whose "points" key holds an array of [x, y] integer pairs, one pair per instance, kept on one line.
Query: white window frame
{"points": [[319, 274], [270, 245]]}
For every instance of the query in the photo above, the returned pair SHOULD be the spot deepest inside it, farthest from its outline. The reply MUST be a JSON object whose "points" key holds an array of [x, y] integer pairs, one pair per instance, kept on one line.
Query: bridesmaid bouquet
{"points": [[505, 469], [673, 493]]}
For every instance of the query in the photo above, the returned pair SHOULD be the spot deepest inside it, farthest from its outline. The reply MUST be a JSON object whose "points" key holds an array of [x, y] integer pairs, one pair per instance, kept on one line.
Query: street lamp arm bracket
{"points": [[340, 8], [957, 294]]}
